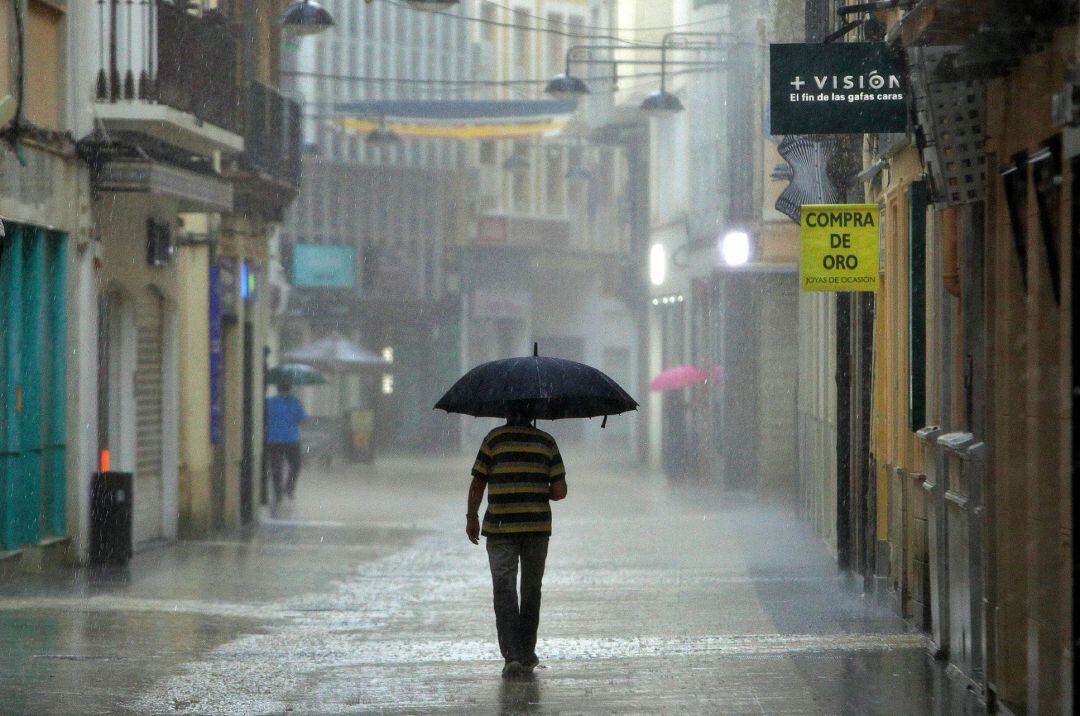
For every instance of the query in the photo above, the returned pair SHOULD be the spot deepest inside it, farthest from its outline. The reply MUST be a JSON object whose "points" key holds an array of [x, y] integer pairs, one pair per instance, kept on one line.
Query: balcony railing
{"points": [[156, 52], [272, 134]]}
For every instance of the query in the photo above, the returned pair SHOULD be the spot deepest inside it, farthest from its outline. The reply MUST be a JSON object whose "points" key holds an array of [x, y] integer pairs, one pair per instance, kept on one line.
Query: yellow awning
{"points": [[471, 131]]}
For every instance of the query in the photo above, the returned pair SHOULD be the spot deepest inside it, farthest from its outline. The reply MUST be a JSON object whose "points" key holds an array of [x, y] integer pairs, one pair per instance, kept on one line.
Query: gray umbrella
{"points": [[338, 354]]}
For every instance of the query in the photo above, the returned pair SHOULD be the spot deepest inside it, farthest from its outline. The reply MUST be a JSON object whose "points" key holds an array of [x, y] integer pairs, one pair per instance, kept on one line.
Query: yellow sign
{"points": [[840, 247]]}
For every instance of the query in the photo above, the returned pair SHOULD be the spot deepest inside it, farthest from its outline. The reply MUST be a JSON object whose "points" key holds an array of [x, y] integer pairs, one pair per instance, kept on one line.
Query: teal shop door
{"points": [[33, 394]]}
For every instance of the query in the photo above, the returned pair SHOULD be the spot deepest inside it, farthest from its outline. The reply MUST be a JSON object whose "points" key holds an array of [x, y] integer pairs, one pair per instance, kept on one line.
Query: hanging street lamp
{"points": [[431, 5], [306, 17], [566, 87], [661, 104], [383, 136]]}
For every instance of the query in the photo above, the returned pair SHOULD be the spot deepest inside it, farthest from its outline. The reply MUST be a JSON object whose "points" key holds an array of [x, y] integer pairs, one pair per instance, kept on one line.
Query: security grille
{"points": [[149, 387], [952, 125]]}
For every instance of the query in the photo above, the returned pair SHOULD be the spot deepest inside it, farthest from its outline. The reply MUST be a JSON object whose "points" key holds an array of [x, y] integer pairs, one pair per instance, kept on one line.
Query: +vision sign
{"points": [[840, 247], [843, 88]]}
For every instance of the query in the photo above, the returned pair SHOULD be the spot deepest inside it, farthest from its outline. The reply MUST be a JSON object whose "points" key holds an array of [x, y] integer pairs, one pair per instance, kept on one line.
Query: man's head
{"points": [[284, 388], [519, 415]]}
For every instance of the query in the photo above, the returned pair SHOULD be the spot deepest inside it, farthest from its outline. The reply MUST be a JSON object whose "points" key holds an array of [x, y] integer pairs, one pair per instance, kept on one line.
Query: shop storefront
{"points": [[32, 385]]}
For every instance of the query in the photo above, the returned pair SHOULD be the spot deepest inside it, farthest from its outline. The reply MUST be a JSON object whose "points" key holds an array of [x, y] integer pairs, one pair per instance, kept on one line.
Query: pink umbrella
{"points": [[681, 376]]}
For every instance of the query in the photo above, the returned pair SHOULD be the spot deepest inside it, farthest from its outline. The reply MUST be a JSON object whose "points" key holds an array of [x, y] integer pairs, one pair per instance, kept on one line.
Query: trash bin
{"points": [[361, 435], [110, 518]]}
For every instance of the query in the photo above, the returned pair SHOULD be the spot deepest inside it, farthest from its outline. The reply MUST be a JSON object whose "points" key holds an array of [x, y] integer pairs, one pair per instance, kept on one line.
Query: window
{"points": [[488, 14], [917, 205], [522, 42], [488, 152], [577, 27], [555, 44]]}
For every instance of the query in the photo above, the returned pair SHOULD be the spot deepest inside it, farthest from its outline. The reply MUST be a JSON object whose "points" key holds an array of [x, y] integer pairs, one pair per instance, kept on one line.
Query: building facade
{"points": [[939, 461], [192, 166], [391, 212], [551, 259], [44, 255], [721, 261]]}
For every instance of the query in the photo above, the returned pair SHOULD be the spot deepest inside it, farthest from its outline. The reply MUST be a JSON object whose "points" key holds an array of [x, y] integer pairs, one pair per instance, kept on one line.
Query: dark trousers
{"points": [[517, 620], [282, 455]]}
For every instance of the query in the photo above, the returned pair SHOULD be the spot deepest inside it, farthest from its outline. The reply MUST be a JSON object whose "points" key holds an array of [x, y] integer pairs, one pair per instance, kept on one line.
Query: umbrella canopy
{"points": [[294, 374], [537, 386], [337, 353], [681, 376]]}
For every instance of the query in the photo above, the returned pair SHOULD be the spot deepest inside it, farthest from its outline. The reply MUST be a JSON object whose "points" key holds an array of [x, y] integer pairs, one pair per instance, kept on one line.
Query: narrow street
{"points": [[365, 596]]}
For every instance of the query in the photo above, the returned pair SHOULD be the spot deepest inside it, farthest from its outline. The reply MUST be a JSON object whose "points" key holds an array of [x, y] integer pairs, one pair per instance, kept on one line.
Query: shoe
{"points": [[529, 664], [513, 668]]}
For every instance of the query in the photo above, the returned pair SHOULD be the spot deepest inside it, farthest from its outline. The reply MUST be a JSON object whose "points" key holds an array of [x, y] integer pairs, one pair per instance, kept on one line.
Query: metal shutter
{"points": [[148, 409]]}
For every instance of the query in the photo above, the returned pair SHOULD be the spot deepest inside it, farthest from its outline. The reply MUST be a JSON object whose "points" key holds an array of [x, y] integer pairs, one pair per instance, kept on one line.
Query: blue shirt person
{"points": [[284, 413]]}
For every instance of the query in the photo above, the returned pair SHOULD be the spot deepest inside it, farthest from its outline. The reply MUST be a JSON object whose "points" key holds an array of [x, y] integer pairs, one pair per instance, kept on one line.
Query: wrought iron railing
{"points": [[272, 133], [155, 51]]}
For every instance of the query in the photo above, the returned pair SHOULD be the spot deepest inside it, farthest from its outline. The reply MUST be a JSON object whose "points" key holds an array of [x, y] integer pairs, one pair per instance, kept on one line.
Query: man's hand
{"points": [[472, 528]]}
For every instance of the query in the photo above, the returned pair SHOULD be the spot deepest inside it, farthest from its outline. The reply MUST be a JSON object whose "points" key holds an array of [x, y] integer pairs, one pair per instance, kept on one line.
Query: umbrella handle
{"points": [[603, 424]]}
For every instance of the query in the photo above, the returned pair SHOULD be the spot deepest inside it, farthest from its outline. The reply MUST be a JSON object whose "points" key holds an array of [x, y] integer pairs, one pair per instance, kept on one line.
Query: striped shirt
{"points": [[519, 464]]}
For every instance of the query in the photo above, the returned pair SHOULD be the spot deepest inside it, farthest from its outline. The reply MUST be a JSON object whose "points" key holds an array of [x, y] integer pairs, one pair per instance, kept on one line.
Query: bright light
{"points": [[388, 354], [735, 248], [387, 383], [657, 264]]}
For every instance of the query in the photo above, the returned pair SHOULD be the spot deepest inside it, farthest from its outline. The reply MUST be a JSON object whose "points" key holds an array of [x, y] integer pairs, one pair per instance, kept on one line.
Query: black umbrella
{"points": [[537, 386]]}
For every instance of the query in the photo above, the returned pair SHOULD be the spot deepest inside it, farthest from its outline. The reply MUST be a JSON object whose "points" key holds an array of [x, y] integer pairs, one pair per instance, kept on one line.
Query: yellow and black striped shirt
{"points": [[519, 464]]}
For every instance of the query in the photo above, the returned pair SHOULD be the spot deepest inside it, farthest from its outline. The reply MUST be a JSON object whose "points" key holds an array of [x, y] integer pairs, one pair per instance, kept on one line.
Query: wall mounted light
{"points": [[735, 248], [657, 264]]}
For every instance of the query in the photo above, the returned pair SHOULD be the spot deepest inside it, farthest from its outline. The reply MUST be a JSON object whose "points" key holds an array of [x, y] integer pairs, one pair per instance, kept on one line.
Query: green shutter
{"points": [[55, 377], [11, 266], [33, 390], [31, 430], [917, 204]]}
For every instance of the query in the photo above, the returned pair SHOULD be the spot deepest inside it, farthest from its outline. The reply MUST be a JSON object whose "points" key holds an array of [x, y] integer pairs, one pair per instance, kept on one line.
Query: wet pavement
{"points": [[365, 596]]}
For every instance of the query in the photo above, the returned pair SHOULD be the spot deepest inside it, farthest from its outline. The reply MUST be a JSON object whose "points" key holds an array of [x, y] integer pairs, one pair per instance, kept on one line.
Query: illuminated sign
{"points": [[316, 266]]}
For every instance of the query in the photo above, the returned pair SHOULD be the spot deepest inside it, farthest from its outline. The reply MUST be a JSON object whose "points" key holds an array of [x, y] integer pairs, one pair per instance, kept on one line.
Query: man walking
{"points": [[522, 470], [284, 413]]}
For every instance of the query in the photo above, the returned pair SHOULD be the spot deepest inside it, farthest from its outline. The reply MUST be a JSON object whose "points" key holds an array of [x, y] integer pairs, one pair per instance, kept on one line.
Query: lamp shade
{"points": [[661, 104], [383, 136], [566, 87], [306, 17], [431, 5]]}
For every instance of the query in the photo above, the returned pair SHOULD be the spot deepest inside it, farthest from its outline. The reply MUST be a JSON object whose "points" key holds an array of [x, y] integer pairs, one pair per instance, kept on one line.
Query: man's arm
{"points": [[472, 515], [558, 490]]}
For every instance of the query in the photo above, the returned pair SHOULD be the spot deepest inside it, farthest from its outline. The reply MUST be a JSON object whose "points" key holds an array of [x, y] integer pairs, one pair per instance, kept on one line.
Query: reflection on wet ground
{"points": [[365, 596]]}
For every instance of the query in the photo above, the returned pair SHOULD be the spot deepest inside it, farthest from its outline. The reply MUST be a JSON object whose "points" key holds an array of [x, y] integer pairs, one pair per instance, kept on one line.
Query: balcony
{"points": [[266, 174], [169, 74], [992, 33]]}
